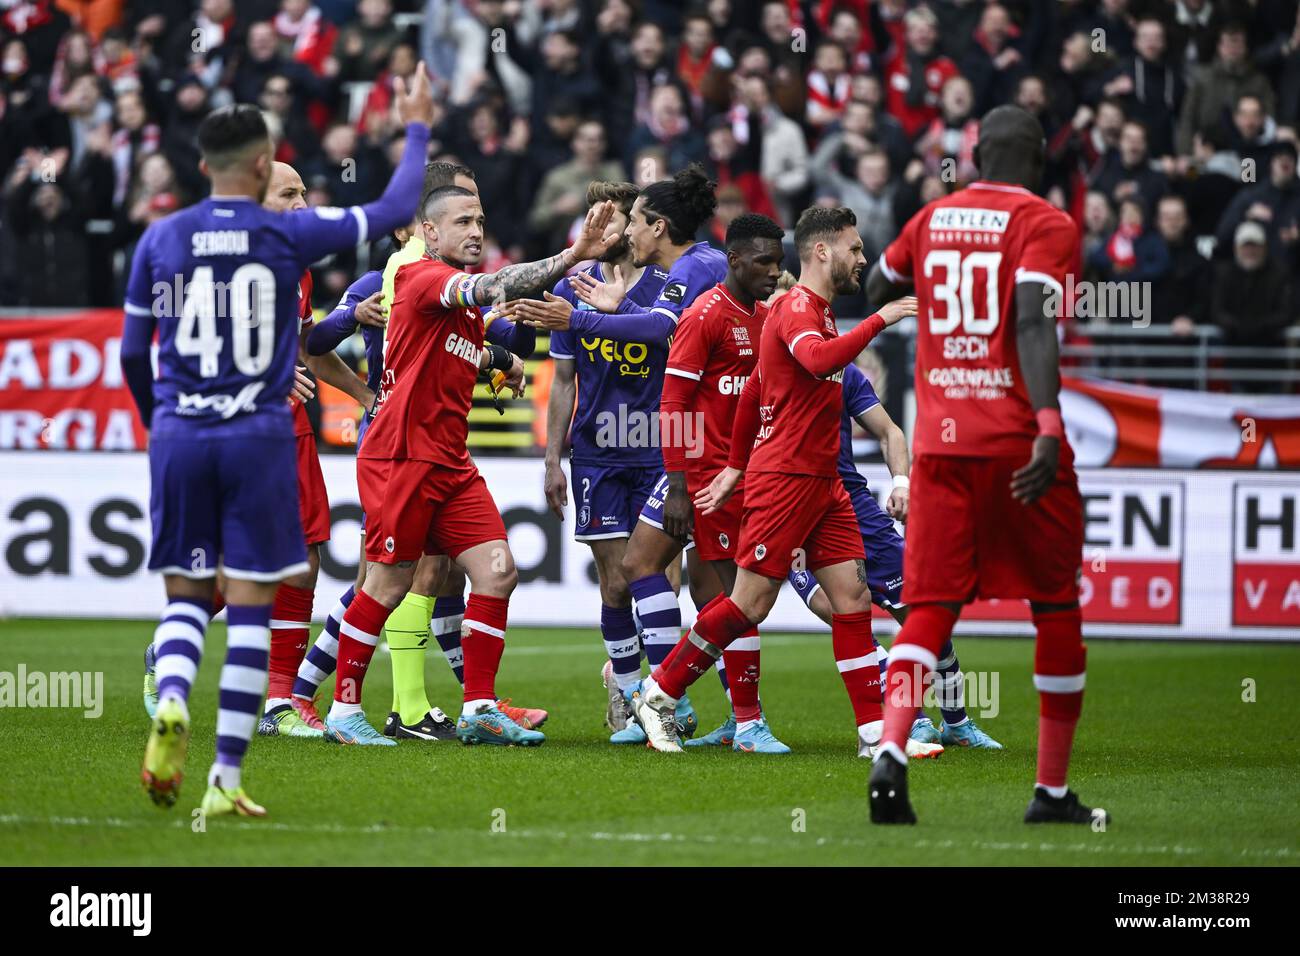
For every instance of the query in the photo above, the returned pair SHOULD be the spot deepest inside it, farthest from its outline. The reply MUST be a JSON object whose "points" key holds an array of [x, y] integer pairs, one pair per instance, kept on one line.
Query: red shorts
{"points": [[967, 538], [416, 507], [313, 502], [717, 535], [793, 518]]}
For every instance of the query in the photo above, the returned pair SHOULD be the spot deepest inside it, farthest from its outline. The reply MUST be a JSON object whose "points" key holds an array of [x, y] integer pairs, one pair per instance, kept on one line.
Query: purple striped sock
{"points": [[621, 644], [178, 645], [660, 614], [322, 657], [448, 613], [949, 686], [243, 682]]}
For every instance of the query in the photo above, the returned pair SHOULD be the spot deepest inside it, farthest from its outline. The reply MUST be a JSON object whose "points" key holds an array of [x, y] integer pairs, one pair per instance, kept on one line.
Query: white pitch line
{"points": [[793, 842]]}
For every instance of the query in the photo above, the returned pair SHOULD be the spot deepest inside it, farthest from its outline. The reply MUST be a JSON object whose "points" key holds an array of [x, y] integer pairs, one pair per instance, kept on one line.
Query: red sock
{"points": [[358, 635], [1059, 666], [911, 660], [482, 641], [290, 632], [715, 628], [668, 658], [741, 661], [855, 656]]}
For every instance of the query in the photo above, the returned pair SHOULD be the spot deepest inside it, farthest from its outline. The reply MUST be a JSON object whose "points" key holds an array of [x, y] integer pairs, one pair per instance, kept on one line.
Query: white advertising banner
{"points": [[1168, 553]]}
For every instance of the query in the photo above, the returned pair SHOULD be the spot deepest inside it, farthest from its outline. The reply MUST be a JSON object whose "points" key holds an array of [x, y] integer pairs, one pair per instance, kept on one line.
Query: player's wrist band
{"points": [[1049, 423], [902, 481], [500, 358]]}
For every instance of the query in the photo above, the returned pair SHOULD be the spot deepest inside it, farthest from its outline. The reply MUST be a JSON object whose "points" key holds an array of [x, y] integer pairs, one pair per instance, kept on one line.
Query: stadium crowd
{"points": [[1171, 124]]}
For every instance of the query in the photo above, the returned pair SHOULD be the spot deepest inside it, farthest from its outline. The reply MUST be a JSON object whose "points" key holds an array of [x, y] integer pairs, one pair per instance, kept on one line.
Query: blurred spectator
{"points": [[916, 73], [1218, 85], [298, 142], [1127, 171], [260, 59], [992, 63], [563, 193], [702, 65], [135, 137], [1253, 298], [669, 127], [785, 151], [1181, 298], [85, 110], [1251, 130], [205, 44], [51, 249], [947, 147], [870, 194], [377, 115], [1133, 252], [351, 172], [828, 86], [562, 75], [497, 158], [485, 48], [1195, 30], [732, 164], [1147, 88], [1098, 223], [630, 75], [364, 45], [75, 58], [180, 134], [40, 25], [1275, 204], [26, 118], [305, 36], [731, 203], [156, 193]]}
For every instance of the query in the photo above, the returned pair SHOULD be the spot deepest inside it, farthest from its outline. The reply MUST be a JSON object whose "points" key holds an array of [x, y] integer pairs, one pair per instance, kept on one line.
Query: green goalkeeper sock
{"points": [[408, 636]]}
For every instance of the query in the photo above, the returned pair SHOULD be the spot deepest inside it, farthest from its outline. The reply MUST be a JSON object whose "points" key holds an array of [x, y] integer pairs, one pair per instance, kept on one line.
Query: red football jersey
{"points": [[716, 344], [799, 413], [431, 356], [301, 423], [966, 253]]}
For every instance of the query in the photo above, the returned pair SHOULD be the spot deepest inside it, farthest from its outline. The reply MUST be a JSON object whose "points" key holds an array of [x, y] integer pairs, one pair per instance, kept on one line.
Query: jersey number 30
{"points": [[956, 290], [248, 302]]}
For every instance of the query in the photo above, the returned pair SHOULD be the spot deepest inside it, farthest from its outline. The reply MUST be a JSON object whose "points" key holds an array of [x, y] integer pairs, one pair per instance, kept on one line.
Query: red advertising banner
{"points": [[61, 384]]}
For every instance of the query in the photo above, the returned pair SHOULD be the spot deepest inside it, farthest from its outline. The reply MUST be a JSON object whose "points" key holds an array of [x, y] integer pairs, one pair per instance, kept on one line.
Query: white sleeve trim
{"points": [[1025, 275], [363, 224], [132, 309], [681, 373], [668, 312], [559, 355], [890, 274], [802, 335], [854, 413]]}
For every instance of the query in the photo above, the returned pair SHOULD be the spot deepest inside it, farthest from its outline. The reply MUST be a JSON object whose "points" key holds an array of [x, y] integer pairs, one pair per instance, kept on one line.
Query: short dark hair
{"points": [[685, 202], [434, 200], [819, 223], [751, 225], [622, 195], [226, 132], [440, 174]]}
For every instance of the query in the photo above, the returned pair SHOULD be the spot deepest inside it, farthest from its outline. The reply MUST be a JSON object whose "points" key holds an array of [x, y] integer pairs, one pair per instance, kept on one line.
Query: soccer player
{"points": [[884, 547], [785, 442], [366, 303], [219, 282], [713, 354], [616, 471], [419, 487], [291, 612], [996, 510]]}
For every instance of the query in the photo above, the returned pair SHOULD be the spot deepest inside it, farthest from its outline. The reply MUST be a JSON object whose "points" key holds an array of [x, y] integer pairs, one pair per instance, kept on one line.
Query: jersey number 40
{"points": [[956, 290], [247, 301]]}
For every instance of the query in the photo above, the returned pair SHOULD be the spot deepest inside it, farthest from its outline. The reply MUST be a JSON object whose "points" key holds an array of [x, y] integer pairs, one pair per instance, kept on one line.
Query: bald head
{"points": [[1011, 147], [285, 192]]}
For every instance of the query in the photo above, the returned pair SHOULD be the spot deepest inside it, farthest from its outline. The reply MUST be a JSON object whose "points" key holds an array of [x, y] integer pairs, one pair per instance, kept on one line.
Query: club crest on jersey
{"points": [[760, 552], [723, 540], [389, 544], [584, 516], [801, 579]]}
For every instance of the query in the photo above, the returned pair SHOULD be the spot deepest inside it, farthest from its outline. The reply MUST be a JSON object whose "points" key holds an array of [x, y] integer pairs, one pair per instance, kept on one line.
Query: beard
{"points": [[618, 251], [844, 280]]}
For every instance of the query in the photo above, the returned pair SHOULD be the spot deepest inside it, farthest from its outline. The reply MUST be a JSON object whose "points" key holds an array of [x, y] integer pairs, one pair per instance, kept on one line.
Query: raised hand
{"points": [[552, 313], [601, 296], [592, 241], [898, 310], [414, 104], [370, 311]]}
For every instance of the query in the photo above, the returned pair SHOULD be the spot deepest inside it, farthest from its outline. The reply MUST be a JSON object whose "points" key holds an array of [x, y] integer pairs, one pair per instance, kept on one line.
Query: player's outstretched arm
{"points": [[529, 278], [332, 370], [358, 306], [1040, 365], [678, 439], [821, 357], [744, 430]]}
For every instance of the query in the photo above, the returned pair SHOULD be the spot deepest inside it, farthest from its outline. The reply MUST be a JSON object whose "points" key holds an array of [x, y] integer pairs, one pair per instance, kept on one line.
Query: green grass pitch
{"points": [[1190, 772]]}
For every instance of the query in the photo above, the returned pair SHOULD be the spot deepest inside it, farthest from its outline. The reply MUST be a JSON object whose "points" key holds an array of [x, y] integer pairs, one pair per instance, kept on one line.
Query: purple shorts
{"points": [[229, 503]]}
